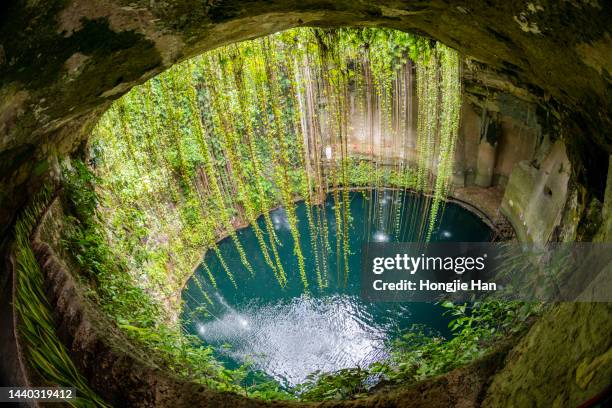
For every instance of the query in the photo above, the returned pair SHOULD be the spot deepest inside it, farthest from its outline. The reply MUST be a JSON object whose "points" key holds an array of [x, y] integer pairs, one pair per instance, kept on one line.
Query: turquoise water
{"points": [[289, 335]]}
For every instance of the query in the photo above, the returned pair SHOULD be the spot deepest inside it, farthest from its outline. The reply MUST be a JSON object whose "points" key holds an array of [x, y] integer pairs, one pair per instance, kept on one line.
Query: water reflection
{"points": [[291, 339], [289, 335]]}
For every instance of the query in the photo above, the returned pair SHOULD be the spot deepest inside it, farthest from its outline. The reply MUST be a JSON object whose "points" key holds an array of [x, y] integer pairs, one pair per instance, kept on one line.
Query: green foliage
{"points": [[447, 122], [46, 353], [132, 309], [476, 327], [84, 238], [340, 385], [417, 355], [214, 142]]}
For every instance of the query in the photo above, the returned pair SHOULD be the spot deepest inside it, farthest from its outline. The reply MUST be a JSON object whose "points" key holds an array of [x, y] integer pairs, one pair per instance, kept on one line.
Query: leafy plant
{"points": [[216, 141], [418, 354], [45, 352]]}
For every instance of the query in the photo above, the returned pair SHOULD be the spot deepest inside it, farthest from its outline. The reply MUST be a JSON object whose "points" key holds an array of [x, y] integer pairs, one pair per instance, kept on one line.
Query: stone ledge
{"points": [[124, 375]]}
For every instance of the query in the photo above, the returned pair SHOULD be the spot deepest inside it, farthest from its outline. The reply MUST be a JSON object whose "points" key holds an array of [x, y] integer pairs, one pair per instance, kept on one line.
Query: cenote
{"points": [[288, 334], [186, 191]]}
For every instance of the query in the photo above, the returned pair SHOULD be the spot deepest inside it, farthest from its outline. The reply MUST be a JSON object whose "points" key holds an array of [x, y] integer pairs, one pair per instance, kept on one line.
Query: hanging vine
{"points": [[222, 139]]}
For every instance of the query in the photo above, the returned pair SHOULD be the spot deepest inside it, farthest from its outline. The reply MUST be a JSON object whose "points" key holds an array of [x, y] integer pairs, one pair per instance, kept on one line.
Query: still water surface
{"points": [[289, 335]]}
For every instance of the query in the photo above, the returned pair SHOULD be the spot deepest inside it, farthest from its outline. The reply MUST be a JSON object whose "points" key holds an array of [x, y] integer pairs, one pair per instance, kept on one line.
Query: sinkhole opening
{"points": [[289, 335], [277, 158]]}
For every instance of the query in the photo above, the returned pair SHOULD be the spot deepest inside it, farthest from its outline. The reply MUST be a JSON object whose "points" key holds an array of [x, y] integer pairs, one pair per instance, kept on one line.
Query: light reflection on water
{"points": [[289, 335], [290, 339]]}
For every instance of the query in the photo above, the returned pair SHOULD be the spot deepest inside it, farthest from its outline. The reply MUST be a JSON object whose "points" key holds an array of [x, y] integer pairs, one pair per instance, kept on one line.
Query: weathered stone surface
{"points": [[121, 373], [535, 196], [486, 164], [605, 231], [63, 60], [558, 365]]}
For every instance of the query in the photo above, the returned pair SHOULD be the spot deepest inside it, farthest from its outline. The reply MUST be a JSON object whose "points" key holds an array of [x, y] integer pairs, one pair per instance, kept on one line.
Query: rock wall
{"points": [[125, 375], [604, 234], [495, 134], [553, 365], [536, 195], [564, 360], [63, 61], [121, 372], [498, 130]]}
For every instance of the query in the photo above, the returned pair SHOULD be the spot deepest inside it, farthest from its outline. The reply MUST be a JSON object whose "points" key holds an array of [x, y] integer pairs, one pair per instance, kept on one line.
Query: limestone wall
{"points": [[124, 374], [536, 195], [564, 360], [495, 135], [63, 62]]}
